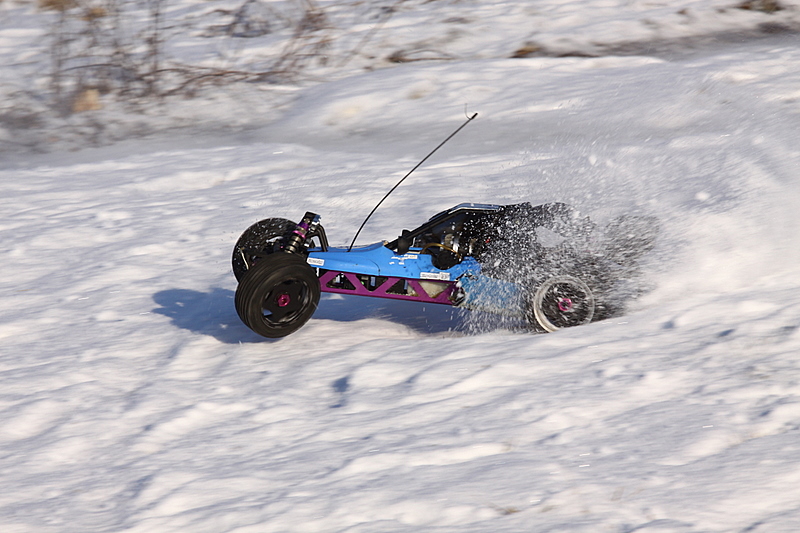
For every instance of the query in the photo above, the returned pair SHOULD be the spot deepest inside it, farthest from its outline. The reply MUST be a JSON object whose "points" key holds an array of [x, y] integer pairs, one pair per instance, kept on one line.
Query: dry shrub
{"points": [[766, 6], [87, 100], [56, 5], [527, 50], [93, 13]]}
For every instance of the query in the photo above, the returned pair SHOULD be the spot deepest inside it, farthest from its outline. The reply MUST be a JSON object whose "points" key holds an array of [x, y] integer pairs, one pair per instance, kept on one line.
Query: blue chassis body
{"points": [[476, 291]]}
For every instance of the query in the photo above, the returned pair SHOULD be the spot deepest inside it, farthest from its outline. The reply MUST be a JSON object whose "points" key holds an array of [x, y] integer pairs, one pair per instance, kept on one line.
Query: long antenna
{"points": [[407, 175]]}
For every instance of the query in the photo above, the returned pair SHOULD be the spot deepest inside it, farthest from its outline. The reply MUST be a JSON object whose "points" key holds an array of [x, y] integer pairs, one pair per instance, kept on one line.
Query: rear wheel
{"points": [[277, 295], [259, 240], [561, 302]]}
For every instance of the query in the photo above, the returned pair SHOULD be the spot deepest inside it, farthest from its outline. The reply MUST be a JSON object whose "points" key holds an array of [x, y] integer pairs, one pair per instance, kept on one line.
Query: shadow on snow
{"points": [[213, 313], [209, 313]]}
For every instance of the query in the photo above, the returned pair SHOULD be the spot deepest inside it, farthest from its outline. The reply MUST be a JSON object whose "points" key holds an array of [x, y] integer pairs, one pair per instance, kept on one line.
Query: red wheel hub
{"points": [[565, 304], [283, 300]]}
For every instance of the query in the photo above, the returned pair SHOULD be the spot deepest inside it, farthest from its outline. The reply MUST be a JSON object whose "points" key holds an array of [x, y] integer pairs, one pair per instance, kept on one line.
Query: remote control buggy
{"points": [[545, 264]]}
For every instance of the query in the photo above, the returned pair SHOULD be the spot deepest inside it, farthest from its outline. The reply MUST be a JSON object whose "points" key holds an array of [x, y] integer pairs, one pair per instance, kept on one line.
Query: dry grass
{"points": [[765, 6], [56, 5]]}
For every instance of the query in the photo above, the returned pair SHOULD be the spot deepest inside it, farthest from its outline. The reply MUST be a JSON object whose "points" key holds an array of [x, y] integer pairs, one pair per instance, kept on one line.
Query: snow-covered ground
{"points": [[133, 399]]}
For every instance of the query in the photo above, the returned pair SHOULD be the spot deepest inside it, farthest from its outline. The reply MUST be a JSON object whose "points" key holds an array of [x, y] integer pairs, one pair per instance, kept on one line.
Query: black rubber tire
{"points": [[260, 239], [561, 302], [278, 295]]}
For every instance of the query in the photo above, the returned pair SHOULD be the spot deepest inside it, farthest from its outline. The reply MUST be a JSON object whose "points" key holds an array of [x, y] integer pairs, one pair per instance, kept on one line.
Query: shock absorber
{"points": [[306, 227]]}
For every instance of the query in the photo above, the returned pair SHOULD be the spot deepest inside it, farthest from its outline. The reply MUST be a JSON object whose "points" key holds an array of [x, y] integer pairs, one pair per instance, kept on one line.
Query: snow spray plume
{"points": [[407, 175]]}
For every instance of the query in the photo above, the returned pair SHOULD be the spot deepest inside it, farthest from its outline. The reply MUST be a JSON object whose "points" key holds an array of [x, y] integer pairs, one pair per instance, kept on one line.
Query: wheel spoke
{"points": [[274, 304], [272, 312], [564, 302], [284, 300], [566, 306], [295, 291]]}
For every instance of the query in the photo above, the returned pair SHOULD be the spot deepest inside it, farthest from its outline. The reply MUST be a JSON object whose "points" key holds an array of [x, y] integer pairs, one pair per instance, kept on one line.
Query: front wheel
{"points": [[259, 240], [561, 302], [277, 295]]}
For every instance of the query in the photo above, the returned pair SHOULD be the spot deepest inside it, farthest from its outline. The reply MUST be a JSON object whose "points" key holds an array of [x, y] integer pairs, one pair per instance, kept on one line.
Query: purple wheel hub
{"points": [[283, 300], [565, 304]]}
